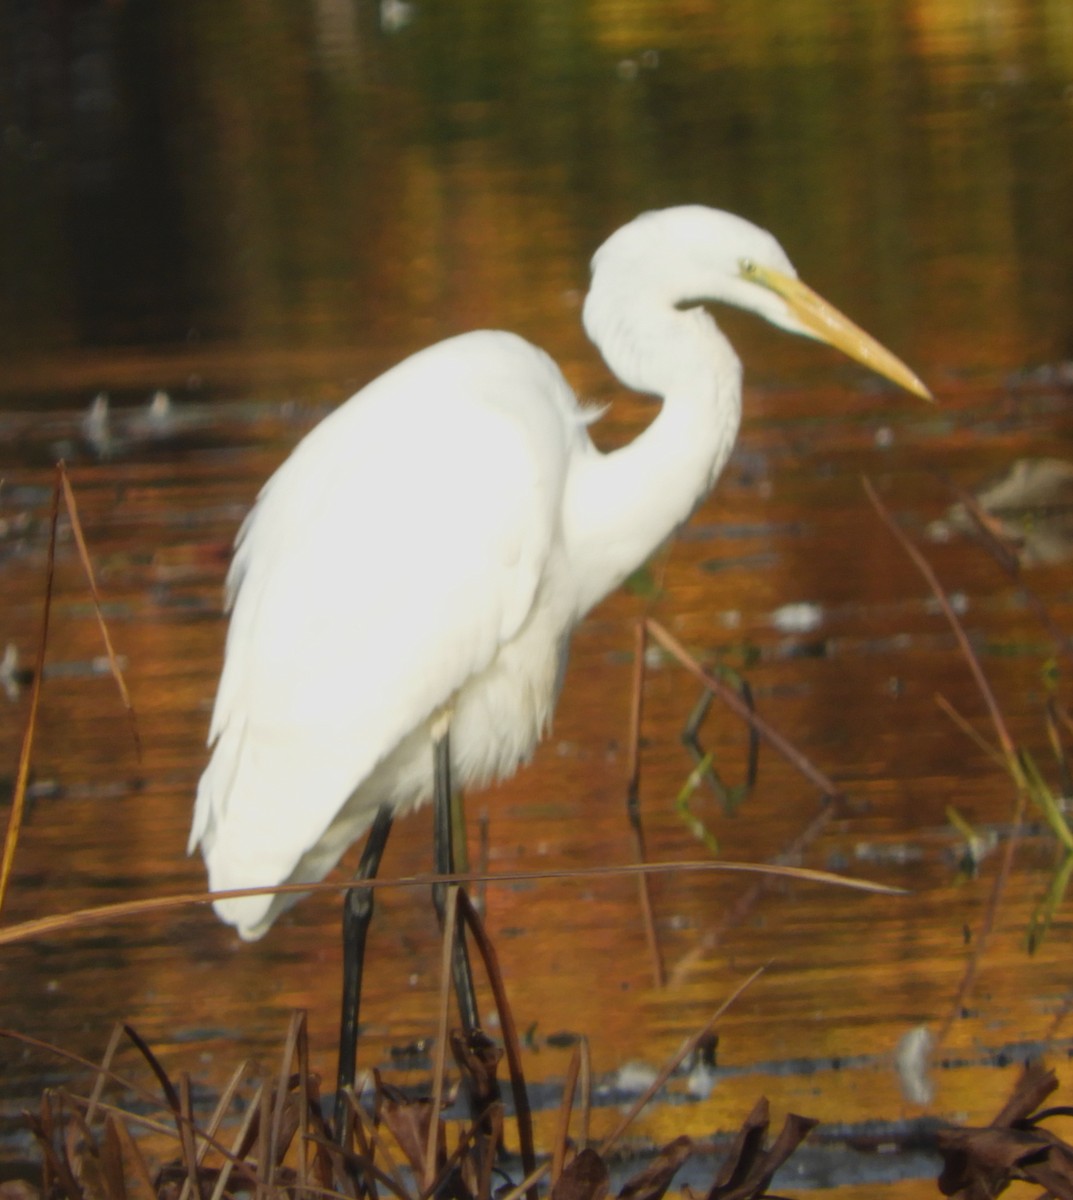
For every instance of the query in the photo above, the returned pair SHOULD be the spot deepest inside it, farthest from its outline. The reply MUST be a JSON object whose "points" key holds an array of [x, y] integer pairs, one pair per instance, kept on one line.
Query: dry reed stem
{"points": [[924, 567], [998, 887], [80, 918], [18, 796], [980, 742], [184, 1120], [87, 566], [103, 1070], [742, 906], [171, 1095], [674, 1062], [735, 703], [450, 927], [290, 1051], [523, 1116], [579, 1069]]}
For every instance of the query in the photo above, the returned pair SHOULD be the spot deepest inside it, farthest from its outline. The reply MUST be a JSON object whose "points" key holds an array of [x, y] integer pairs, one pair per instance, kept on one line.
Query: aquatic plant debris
{"points": [[981, 1163], [283, 1146]]}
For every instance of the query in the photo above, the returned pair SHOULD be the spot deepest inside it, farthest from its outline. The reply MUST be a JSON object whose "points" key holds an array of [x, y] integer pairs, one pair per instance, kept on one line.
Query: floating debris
{"points": [[1030, 509], [912, 1061], [96, 427], [801, 617]]}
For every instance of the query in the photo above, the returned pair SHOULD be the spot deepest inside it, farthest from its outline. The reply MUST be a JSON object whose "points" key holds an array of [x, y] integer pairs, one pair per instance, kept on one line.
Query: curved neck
{"points": [[620, 506]]}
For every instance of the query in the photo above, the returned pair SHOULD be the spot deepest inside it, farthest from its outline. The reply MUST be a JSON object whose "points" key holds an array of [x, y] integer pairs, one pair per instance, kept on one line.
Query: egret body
{"points": [[423, 555]]}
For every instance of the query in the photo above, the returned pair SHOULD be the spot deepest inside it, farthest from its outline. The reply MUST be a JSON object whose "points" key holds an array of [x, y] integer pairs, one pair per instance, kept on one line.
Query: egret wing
{"points": [[386, 562]]}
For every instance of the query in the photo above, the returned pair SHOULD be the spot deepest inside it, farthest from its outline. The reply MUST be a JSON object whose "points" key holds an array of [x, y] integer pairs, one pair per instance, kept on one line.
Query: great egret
{"points": [[421, 558]]}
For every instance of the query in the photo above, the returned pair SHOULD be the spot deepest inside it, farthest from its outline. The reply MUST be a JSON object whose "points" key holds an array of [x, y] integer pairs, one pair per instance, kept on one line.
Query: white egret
{"points": [[420, 560]]}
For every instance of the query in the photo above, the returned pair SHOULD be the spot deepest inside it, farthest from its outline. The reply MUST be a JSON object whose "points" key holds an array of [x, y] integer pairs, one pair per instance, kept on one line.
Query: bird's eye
{"points": [[747, 267]]}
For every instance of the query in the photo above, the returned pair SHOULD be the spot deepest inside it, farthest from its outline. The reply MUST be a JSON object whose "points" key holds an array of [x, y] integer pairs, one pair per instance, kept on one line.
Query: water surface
{"points": [[257, 212]]}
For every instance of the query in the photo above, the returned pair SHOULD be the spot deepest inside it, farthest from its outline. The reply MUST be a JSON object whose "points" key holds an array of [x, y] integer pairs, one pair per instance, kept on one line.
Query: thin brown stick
{"points": [[147, 1096], [450, 927], [633, 803], [735, 703], [523, 1117], [220, 1111], [18, 797], [264, 1161], [80, 918], [1005, 867], [566, 1109], [968, 730], [286, 1061], [672, 1064], [586, 1093], [924, 567], [185, 1127], [740, 908], [104, 1071], [87, 566]]}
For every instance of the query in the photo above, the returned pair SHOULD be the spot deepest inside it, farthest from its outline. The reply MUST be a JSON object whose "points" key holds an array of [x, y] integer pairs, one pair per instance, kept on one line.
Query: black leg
{"points": [[443, 839], [357, 913]]}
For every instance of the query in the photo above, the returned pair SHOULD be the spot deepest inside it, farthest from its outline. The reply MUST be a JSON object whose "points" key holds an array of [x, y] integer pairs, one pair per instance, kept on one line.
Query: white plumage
{"points": [[428, 548]]}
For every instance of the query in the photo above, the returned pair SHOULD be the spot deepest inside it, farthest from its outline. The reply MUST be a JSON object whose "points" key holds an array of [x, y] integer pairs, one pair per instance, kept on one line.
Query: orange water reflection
{"points": [[912, 169]]}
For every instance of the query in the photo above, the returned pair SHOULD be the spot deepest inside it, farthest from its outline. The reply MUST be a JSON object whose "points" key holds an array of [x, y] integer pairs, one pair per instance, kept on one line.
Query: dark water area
{"points": [[258, 210]]}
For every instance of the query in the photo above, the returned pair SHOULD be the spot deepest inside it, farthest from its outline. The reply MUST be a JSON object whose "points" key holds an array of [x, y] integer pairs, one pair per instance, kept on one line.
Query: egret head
{"points": [[692, 255]]}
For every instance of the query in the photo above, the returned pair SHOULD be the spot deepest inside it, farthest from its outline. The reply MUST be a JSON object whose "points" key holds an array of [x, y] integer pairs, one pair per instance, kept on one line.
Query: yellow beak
{"points": [[827, 324]]}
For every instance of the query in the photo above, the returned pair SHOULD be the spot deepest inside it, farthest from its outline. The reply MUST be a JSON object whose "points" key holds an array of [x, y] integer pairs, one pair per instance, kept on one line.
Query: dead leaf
{"points": [[750, 1167], [655, 1179], [584, 1178]]}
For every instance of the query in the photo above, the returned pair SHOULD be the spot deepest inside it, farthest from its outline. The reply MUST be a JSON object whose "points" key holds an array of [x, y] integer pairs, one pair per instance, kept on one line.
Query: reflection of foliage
{"points": [[305, 170]]}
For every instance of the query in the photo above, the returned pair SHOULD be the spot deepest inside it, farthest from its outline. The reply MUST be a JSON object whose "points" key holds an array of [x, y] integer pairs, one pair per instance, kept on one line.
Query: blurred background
{"points": [[227, 218]]}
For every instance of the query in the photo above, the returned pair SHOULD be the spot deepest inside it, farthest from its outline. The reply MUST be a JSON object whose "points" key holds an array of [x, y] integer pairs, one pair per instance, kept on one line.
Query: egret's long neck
{"points": [[620, 506]]}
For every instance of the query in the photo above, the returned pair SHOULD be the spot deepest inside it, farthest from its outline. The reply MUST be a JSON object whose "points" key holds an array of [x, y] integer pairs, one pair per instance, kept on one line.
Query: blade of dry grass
{"points": [[56, 1170], [218, 1114], [282, 1091], [25, 1039], [366, 1143], [264, 1160], [87, 566], [82, 1150], [40, 927], [22, 776], [111, 1161], [235, 1156], [188, 1143], [566, 1111], [132, 1155], [99, 1106], [104, 1070]]}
